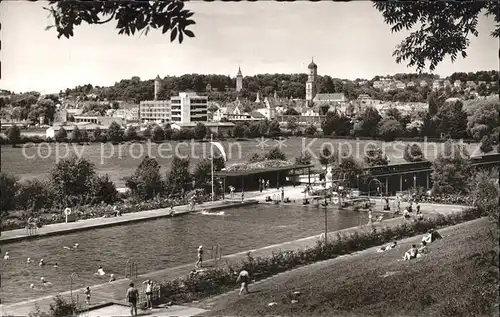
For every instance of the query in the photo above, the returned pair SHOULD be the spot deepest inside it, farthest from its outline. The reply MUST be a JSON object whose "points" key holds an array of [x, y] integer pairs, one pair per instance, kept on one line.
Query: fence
{"points": [[31, 229], [142, 300], [216, 254], [131, 270]]}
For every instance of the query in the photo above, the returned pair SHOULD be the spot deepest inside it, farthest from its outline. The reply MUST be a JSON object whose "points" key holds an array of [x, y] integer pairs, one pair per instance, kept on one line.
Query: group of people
{"points": [[415, 252], [263, 184]]}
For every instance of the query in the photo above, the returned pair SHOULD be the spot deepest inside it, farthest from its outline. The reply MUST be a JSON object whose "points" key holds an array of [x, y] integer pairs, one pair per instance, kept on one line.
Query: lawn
{"points": [[120, 161], [446, 282]]}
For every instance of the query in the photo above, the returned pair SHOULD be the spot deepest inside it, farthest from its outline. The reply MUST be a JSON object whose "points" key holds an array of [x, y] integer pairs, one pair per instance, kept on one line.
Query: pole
{"points": [[212, 163], [326, 218]]}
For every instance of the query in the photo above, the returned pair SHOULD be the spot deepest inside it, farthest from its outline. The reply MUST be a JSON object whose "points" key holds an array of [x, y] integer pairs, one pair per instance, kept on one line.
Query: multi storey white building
{"points": [[188, 107], [155, 110]]}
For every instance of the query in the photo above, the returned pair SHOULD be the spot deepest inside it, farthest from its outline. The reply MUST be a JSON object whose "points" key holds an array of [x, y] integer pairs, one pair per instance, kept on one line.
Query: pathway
{"points": [[115, 291]]}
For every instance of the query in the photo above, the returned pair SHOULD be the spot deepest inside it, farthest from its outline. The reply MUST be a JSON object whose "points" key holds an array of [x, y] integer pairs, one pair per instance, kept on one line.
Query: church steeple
{"points": [[239, 80], [312, 65]]}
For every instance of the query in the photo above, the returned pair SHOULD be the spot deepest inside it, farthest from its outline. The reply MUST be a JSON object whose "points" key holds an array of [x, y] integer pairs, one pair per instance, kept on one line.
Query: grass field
{"points": [[120, 161], [445, 282]]}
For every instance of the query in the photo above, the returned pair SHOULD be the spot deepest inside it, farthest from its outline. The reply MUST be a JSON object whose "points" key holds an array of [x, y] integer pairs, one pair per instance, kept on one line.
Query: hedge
{"points": [[221, 280]]}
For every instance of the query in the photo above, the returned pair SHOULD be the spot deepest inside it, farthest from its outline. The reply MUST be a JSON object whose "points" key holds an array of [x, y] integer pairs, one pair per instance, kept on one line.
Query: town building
{"points": [[214, 127], [99, 120], [436, 84], [400, 85], [411, 84], [239, 80], [154, 110], [84, 126], [423, 83], [312, 84], [457, 84], [157, 87], [188, 107]]}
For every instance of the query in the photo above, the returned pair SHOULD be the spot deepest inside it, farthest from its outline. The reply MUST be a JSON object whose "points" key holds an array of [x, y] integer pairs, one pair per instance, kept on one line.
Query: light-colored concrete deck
{"points": [[115, 291]]}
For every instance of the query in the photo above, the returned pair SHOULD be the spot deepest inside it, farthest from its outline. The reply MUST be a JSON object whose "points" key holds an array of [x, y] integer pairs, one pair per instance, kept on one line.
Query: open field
{"points": [[446, 282], [120, 161]]}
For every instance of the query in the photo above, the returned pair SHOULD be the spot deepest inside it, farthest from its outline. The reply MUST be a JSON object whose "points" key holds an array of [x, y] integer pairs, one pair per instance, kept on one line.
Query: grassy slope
{"points": [[439, 284]]}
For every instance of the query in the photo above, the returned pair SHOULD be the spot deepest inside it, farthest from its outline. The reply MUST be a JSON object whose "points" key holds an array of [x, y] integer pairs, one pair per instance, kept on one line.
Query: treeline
{"points": [[285, 86]]}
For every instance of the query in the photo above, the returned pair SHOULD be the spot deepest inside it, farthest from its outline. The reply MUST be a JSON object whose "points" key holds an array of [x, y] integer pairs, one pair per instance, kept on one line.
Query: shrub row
{"points": [[221, 280], [18, 219]]}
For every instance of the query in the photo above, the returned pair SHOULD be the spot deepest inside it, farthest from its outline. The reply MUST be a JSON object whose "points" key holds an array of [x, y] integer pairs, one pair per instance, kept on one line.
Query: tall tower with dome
{"points": [[239, 80], [312, 82]]}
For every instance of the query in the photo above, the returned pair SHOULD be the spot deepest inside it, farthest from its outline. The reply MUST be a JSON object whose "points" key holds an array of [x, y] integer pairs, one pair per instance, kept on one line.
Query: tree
{"points": [[179, 175], [292, 124], [14, 135], [310, 130], [274, 128], [97, 135], [393, 113], [202, 173], [103, 190], [61, 135], [350, 167], [146, 182], [485, 191], [486, 144], [451, 119], [303, 159], [389, 129], [158, 134], [200, 131], [374, 156], [440, 35], [33, 195], [239, 130], [130, 134], [275, 154], [76, 135], [8, 188], [167, 132], [130, 17], [147, 133], [115, 132], [368, 122], [72, 180], [327, 156], [413, 153], [483, 118], [451, 170]]}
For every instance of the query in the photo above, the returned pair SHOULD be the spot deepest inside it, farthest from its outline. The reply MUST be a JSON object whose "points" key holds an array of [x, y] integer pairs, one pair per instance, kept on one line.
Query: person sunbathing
{"points": [[388, 247], [411, 253], [432, 236], [422, 250]]}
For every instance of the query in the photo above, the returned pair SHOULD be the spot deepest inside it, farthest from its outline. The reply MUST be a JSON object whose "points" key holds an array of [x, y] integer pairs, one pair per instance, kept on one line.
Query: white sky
{"points": [[347, 40]]}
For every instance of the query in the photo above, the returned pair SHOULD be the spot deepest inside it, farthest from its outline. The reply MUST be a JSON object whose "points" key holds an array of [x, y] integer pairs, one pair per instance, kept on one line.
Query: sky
{"points": [[347, 40]]}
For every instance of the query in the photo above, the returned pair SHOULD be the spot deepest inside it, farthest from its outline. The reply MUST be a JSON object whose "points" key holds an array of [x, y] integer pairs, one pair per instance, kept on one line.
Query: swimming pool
{"points": [[158, 244]]}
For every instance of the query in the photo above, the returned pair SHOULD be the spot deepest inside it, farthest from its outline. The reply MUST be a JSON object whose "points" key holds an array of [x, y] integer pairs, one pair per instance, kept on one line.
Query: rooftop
{"points": [[260, 170]]}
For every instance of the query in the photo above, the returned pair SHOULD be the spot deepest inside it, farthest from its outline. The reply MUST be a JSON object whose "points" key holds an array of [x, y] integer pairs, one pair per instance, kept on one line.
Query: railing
{"points": [[156, 294], [216, 254], [31, 229], [131, 270]]}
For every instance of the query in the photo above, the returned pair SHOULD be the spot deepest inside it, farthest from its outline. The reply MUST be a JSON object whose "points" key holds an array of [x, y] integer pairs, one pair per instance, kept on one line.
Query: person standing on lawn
{"points": [[200, 257], [244, 279], [132, 295], [149, 293]]}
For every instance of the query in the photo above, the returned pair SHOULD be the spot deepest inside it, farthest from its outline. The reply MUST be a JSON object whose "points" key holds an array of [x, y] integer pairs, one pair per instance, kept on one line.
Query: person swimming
{"points": [[6, 256], [112, 278], [41, 263], [75, 246], [45, 282], [55, 265], [32, 286], [28, 261]]}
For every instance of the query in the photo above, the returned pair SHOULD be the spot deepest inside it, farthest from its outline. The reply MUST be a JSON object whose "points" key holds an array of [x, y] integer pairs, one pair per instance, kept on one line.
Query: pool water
{"points": [[157, 244]]}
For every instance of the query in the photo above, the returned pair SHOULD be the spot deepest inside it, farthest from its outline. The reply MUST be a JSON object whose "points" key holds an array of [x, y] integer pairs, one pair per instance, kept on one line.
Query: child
{"points": [[87, 294]]}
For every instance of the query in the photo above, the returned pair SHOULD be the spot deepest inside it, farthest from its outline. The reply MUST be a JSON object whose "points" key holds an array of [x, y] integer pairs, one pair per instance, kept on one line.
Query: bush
{"points": [[8, 188], [33, 195], [221, 280], [413, 153], [14, 135]]}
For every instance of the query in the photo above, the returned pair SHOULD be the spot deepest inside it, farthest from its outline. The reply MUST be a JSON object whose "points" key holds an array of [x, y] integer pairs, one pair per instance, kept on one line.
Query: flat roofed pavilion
{"points": [[249, 179]]}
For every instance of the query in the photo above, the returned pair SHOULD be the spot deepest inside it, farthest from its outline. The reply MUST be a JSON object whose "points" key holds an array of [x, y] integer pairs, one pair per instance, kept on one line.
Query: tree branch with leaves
{"points": [[130, 16]]}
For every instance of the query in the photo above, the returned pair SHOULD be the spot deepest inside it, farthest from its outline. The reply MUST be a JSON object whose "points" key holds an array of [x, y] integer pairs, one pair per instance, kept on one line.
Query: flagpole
{"points": [[212, 163]]}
